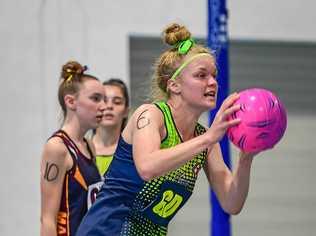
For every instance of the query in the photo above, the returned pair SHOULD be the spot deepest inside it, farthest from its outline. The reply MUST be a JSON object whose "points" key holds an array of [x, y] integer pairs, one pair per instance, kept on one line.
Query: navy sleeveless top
{"points": [[81, 183]]}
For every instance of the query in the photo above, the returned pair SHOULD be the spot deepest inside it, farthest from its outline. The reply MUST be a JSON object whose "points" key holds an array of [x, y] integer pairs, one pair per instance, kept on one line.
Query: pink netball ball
{"points": [[263, 121]]}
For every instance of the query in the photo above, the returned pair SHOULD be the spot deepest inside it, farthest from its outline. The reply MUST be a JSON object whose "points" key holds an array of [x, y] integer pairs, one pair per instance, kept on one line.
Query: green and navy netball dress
{"points": [[128, 205]]}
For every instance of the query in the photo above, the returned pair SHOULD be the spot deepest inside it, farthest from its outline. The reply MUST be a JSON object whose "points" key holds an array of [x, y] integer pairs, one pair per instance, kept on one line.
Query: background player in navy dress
{"points": [[69, 176], [107, 134], [163, 148]]}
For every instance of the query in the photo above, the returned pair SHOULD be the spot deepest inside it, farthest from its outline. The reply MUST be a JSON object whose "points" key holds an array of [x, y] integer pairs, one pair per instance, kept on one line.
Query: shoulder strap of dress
{"points": [[172, 135]]}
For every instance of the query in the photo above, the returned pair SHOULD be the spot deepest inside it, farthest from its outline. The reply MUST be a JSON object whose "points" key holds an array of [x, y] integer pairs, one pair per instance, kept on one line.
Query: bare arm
{"points": [[231, 188], [53, 168], [148, 126], [150, 160]]}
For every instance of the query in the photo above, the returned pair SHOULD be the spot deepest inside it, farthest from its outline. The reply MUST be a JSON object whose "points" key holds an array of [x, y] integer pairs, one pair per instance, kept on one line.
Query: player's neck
{"points": [[107, 136], [184, 118]]}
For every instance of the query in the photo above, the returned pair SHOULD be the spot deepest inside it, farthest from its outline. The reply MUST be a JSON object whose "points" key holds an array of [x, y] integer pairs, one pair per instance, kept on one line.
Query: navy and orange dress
{"points": [[81, 184], [128, 205]]}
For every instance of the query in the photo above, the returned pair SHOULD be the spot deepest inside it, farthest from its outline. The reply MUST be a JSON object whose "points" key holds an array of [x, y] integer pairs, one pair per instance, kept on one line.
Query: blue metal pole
{"points": [[218, 42]]}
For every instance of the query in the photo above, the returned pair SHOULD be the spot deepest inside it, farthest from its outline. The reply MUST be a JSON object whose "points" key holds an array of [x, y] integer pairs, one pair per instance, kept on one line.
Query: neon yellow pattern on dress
{"points": [[103, 162], [163, 203]]}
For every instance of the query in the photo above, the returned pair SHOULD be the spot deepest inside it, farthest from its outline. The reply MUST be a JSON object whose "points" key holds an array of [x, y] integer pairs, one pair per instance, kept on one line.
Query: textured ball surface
{"points": [[263, 121]]}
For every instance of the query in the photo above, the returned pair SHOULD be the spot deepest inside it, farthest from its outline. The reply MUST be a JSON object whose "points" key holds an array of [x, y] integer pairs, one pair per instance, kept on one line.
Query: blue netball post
{"points": [[218, 41]]}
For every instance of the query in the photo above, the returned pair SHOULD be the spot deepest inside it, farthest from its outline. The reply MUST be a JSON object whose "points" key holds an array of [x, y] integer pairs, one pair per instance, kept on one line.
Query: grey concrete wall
{"points": [[38, 36]]}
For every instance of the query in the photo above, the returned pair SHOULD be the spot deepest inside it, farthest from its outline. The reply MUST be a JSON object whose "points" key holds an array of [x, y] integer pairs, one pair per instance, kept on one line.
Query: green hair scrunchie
{"points": [[184, 46]]}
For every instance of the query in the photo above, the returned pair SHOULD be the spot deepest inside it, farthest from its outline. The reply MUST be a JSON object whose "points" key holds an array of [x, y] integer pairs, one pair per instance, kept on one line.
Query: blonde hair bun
{"points": [[175, 33]]}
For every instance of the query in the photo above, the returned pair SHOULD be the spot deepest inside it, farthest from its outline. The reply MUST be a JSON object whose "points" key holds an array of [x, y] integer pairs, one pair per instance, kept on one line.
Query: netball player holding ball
{"points": [[163, 148]]}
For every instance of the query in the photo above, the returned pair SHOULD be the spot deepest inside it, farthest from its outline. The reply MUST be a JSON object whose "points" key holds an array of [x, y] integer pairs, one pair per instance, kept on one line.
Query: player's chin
{"points": [[95, 124], [207, 107], [108, 123], [210, 104]]}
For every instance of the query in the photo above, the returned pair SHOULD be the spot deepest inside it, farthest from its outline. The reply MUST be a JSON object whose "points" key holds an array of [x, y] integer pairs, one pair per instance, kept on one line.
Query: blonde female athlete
{"points": [[69, 176], [163, 148], [107, 134]]}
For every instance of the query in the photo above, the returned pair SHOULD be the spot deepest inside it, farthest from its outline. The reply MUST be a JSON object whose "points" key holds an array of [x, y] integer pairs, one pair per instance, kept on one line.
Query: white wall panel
{"points": [[38, 36]]}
